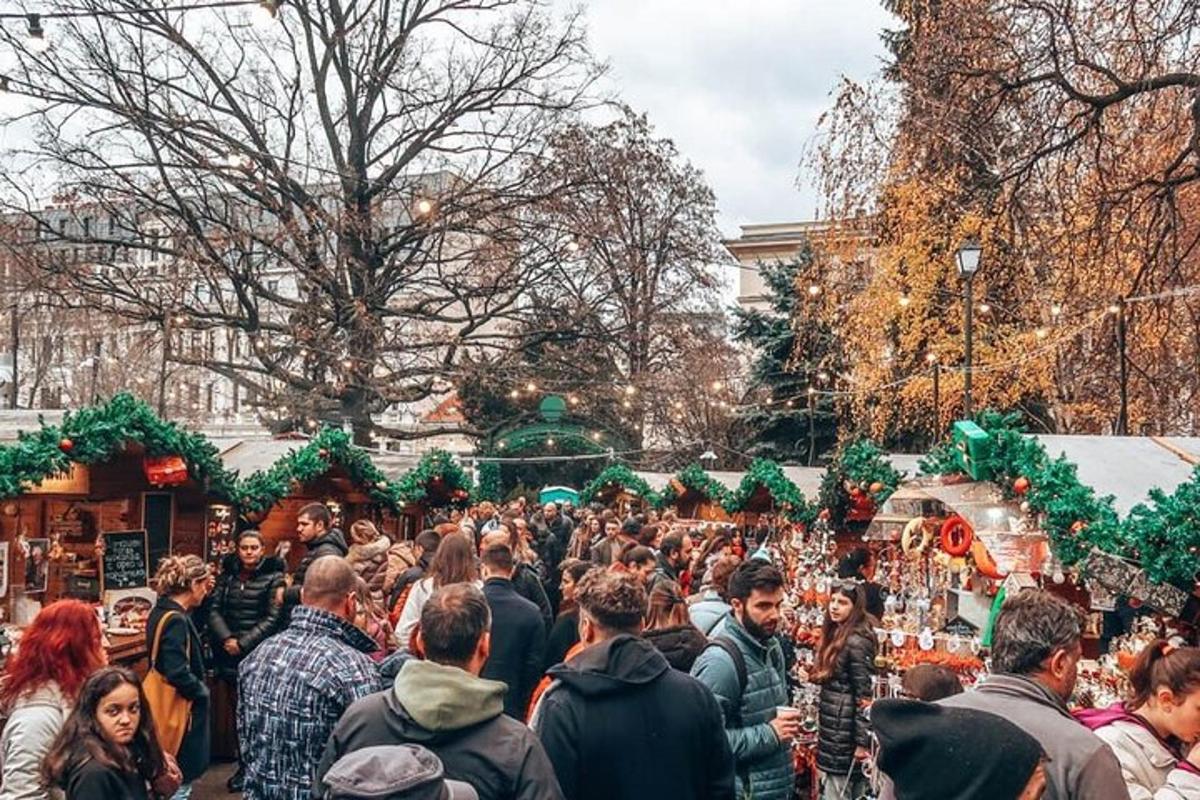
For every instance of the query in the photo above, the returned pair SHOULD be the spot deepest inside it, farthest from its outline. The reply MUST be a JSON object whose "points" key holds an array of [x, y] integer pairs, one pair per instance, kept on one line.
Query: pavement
{"points": [[211, 785]]}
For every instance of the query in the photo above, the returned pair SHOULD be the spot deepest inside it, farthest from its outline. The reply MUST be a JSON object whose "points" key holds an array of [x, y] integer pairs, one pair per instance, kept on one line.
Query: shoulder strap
{"points": [[739, 664], [162, 623]]}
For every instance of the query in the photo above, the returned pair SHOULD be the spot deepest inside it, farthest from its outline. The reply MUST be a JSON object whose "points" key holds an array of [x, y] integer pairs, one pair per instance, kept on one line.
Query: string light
{"points": [[904, 301], [814, 290], [717, 386], [531, 387], [984, 308], [631, 390], [424, 207], [549, 441], [931, 358], [1114, 309], [1042, 333], [514, 394], [573, 399], [1055, 310]]}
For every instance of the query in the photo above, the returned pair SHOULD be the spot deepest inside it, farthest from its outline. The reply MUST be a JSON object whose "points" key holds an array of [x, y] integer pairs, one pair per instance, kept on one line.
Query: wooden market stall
{"points": [[765, 493], [695, 494], [437, 483], [619, 487], [90, 505], [285, 474]]}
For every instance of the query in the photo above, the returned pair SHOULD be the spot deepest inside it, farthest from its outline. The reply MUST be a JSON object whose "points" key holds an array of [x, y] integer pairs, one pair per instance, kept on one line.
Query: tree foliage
{"points": [[347, 191]]}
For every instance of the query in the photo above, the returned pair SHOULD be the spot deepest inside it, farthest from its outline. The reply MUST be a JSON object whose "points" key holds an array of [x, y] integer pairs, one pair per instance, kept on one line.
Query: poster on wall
{"points": [[218, 537], [3, 569], [37, 565]]}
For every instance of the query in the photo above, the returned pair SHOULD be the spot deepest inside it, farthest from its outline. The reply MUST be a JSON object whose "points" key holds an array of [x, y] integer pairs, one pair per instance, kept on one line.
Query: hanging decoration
{"points": [[165, 470]]}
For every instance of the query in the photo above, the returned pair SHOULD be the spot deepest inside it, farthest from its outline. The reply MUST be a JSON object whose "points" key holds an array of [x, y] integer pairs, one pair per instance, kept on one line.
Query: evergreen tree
{"points": [[794, 350]]}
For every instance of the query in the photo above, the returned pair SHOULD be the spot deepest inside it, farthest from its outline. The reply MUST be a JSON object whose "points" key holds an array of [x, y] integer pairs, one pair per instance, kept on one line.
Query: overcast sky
{"points": [[739, 86]]}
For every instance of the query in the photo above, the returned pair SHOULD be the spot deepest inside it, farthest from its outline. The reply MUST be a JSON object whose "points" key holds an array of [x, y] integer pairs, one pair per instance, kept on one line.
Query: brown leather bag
{"points": [[172, 713]]}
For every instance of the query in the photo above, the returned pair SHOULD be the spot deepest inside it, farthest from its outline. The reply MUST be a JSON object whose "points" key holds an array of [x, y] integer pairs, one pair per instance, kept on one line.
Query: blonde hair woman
{"points": [[368, 555], [182, 583]]}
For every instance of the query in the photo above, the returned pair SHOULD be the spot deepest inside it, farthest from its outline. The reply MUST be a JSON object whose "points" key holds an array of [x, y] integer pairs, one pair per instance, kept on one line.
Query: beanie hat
{"points": [[393, 772], [935, 752]]}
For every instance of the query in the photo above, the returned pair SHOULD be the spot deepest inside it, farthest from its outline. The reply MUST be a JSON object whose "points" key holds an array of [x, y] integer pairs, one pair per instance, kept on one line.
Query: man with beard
{"points": [[744, 667]]}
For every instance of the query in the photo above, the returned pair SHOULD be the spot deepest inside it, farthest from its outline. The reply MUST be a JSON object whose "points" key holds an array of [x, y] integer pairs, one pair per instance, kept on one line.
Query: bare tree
{"points": [[345, 190], [634, 248]]}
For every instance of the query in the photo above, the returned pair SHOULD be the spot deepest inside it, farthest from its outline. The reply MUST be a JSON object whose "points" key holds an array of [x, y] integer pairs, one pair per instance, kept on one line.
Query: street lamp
{"points": [[968, 264]]}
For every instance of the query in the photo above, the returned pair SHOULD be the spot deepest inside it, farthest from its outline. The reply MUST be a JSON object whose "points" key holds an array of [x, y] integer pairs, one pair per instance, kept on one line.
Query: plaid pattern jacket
{"points": [[292, 689]]}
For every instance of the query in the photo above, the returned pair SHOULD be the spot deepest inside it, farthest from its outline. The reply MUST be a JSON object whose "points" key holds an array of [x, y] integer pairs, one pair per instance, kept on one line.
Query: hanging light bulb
{"points": [[531, 387], [264, 13], [1055, 310], [814, 290], [904, 301], [984, 308], [424, 207], [514, 394], [36, 40], [572, 246]]}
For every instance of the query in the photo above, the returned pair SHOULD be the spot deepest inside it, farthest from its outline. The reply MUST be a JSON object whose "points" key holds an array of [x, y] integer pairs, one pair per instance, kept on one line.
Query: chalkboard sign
{"points": [[124, 565]]}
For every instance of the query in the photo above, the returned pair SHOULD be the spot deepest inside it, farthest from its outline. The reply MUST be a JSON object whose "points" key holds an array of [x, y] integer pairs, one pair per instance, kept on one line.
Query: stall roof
{"points": [[1126, 467], [14, 421], [807, 479], [247, 456]]}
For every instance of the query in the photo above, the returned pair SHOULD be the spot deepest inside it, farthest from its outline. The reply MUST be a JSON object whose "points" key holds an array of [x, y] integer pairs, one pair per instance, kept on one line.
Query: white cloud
{"points": [[739, 86]]}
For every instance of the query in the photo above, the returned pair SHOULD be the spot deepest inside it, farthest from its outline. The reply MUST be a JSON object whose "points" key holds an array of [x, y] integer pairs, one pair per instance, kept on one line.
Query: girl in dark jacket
{"points": [[245, 609], [843, 667], [107, 747], [565, 631], [182, 583], [670, 629]]}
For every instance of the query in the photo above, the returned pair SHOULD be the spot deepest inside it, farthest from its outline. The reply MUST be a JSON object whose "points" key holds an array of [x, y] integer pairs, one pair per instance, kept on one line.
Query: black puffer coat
{"points": [[843, 726], [681, 645], [245, 610], [332, 543]]}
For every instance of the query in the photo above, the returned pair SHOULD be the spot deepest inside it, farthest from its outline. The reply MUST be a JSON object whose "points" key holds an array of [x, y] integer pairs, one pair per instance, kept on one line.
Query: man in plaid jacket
{"points": [[294, 687]]}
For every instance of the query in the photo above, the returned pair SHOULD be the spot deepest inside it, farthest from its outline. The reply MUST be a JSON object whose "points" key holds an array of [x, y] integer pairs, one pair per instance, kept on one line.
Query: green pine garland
{"points": [[694, 477], [862, 463], [489, 481], [434, 465], [622, 476], [259, 492], [1163, 535], [100, 433], [787, 496]]}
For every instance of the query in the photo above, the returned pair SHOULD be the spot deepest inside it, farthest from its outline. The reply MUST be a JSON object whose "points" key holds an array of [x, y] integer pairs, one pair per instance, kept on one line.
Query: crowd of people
{"points": [[546, 653]]}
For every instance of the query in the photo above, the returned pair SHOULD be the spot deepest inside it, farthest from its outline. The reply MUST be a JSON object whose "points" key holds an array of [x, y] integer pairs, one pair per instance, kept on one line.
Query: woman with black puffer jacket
{"points": [[246, 608], [843, 667]]}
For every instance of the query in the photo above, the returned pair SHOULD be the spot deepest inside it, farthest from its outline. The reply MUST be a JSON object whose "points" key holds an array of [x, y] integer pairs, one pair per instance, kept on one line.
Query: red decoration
{"points": [[862, 506], [66, 445], [1021, 485], [165, 470], [876, 487], [956, 536]]}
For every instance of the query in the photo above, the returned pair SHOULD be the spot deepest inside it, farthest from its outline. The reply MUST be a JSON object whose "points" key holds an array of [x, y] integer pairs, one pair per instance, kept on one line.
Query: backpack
{"points": [[739, 665]]}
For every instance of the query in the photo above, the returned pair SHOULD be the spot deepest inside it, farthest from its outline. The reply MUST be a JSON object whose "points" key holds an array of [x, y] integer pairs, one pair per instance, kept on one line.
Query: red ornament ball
{"points": [[66, 445], [1021, 485]]}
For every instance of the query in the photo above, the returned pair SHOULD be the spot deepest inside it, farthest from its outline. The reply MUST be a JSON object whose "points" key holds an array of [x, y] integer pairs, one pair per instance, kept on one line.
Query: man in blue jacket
{"points": [[745, 670]]}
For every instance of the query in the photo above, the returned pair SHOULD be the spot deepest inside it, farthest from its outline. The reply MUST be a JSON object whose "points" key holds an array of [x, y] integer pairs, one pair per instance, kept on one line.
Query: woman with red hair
{"points": [[57, 653]]}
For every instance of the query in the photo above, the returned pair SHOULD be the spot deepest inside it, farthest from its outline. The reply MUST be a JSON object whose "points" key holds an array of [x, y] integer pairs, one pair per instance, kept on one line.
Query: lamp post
{"points": [[968, 264]]}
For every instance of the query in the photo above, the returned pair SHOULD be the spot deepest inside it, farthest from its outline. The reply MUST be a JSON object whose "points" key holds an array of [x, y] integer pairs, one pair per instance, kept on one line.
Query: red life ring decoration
{"points": [[984, 564], [957, 536]]}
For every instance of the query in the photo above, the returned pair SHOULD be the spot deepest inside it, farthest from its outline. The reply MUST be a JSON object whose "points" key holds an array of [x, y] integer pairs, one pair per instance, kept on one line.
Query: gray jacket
{"points": [[708, 611], [1081, 765], [33, 725]]}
